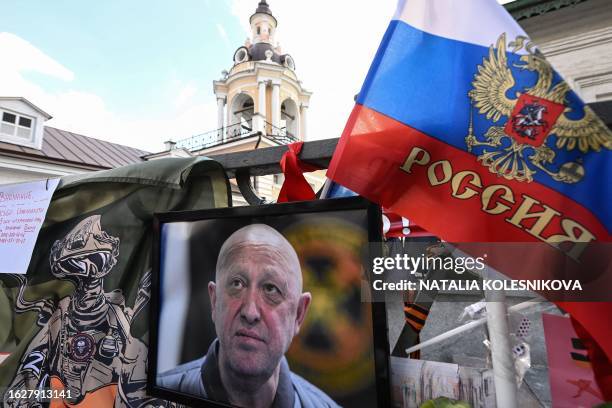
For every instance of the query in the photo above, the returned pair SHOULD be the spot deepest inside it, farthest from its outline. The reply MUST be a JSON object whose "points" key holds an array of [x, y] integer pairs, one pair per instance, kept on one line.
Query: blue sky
{"points": [[140, 72], [128, 52], [137, 61]]}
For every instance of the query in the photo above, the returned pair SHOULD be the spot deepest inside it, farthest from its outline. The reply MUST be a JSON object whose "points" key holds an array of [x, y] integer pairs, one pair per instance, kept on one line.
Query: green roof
{"points": [[523, 9]]}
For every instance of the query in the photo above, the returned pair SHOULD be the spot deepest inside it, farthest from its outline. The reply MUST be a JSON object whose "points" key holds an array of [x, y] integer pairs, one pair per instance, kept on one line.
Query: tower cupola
{"points": [[262, 45], [263, 24]]}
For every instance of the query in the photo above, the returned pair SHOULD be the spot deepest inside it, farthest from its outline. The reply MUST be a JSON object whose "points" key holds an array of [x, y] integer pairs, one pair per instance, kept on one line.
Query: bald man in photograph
{"points": [[257, 308]]}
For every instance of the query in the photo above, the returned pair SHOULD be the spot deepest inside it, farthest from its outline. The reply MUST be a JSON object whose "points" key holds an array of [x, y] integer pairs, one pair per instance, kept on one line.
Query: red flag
{"points": [[570, 367], [602, 364]]}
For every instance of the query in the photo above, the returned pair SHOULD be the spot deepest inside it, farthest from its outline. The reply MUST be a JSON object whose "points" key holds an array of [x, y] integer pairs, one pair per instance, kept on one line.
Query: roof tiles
{"points": [[63, 146]]}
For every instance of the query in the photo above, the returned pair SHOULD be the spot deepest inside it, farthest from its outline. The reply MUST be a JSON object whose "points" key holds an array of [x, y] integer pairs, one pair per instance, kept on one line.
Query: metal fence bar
{"points": [[266, 161]]}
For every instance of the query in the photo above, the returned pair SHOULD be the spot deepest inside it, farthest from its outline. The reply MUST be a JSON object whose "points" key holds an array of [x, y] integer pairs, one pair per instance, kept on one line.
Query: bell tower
{"points": [[261, 92]]}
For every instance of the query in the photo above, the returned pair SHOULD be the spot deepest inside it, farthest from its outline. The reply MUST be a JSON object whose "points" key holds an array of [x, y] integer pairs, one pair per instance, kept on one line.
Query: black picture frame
{"points": [[380, 346]]}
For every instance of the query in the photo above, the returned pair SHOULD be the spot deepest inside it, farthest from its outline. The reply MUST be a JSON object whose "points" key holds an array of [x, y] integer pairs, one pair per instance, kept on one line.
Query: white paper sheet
{"points": [[22, 211]]}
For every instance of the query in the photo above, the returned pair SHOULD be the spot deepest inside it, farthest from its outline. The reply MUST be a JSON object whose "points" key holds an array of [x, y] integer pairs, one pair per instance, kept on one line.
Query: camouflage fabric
{"points": [[78, 321]]}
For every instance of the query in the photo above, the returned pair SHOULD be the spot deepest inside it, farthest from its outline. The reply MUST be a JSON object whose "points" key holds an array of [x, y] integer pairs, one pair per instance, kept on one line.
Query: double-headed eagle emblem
{"points": [[541, 121]]}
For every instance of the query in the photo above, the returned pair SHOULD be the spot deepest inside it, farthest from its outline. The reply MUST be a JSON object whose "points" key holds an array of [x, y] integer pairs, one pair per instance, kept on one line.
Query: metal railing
{"points": [[232, 133], [217, 137], [280, 135]]}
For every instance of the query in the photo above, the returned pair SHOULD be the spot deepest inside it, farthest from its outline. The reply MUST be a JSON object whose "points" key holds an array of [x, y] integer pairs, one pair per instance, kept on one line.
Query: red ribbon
{"points": [[295, 187]]}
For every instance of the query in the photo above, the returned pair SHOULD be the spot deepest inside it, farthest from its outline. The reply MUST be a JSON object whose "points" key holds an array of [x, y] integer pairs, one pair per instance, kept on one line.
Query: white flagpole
{"points": [[466, 327], [504, 374]]}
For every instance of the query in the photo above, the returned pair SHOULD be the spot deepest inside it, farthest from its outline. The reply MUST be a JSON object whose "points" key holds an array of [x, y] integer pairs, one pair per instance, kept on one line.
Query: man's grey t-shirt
{"points": [[201, 378]]}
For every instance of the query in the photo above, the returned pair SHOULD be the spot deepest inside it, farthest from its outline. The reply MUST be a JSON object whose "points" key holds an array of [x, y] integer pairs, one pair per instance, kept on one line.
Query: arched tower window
{"points": [[241, 115], [289, 117]]}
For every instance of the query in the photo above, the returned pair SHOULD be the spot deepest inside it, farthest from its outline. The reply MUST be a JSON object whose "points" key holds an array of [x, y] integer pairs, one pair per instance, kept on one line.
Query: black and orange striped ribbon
{"points": [[415, 316]]}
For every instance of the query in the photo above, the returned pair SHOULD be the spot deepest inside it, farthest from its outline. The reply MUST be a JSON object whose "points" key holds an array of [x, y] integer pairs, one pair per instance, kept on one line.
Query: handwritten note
{"points": [[22, 211]]}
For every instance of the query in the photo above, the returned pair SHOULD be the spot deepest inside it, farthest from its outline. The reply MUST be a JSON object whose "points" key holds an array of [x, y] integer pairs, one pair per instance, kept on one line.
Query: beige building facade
{"points": [[576, 38]]}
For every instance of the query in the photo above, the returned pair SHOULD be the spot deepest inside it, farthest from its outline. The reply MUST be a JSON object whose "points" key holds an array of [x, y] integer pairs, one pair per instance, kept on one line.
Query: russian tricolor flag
{"points": [[462, 126], [431, 136]]}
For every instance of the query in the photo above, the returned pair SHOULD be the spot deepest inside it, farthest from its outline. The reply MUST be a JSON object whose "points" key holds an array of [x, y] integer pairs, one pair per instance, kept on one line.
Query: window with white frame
{"points": [[16, 125]]}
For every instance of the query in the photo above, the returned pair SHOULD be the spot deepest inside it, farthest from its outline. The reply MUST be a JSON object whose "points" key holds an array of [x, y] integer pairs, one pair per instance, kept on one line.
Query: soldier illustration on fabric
{"points": [[85, 346]]}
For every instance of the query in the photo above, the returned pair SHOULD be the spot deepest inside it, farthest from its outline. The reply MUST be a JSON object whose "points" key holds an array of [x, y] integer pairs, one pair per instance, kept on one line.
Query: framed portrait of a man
{"points": [[262, 307]]}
